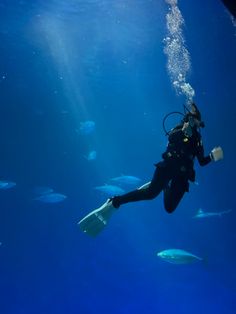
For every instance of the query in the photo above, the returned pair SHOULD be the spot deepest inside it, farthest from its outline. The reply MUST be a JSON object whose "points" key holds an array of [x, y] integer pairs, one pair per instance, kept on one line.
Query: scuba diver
{"points": [[172, 173]]}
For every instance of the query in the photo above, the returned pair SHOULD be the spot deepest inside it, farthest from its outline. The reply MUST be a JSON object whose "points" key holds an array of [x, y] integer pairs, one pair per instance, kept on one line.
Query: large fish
{"points": [[129, 180], [51, 198], [203, 214], [5, 185], [177, 256], [110, 190]]}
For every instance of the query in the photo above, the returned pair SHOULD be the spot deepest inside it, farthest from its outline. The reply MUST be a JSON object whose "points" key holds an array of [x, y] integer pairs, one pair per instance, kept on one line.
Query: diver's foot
{"points": [[115, 201], [96, 220]]}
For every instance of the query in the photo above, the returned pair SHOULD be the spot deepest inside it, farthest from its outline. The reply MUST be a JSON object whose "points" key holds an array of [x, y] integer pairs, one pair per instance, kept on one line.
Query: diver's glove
{"points": [[217, 153]]}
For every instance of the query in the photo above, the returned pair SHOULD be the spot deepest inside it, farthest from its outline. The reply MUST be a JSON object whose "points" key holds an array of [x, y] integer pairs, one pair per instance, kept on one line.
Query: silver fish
{"points": [[126, 180], [110, 190], [51, 198], [5, 185], [92, 155], [177, 256], [203, 214]]}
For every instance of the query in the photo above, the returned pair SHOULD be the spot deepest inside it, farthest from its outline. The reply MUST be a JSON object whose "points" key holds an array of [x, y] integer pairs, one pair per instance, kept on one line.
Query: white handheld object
{"points": [[217, 153]]}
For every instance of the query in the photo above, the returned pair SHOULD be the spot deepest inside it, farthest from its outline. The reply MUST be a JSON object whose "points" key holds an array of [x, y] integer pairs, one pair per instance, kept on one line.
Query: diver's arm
{"points": [[215, 155], [203, 160]]}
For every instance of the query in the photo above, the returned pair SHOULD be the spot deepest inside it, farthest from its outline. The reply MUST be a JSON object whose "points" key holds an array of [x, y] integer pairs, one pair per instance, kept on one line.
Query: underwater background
{"points": [[84, 88]]}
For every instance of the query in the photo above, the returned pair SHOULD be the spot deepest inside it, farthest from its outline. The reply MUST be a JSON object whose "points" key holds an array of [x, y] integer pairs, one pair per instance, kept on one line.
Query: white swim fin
{"points": [[96, 221]]}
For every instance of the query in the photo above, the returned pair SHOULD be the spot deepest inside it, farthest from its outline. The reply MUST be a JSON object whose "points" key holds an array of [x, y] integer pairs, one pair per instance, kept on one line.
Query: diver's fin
{"points": [[96, 221]]}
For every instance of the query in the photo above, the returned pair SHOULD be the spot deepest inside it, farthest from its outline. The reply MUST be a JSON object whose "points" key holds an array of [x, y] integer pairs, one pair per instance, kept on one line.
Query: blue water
{"points": [[66, 62]]}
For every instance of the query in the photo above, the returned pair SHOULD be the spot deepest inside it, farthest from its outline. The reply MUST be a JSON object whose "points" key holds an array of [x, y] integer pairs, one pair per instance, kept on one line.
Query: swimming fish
{"points": [[203, 214], [5, 185], [177, 256], [129, 180], [51, 198], [92, 155], [87, 127], [110, 190]]}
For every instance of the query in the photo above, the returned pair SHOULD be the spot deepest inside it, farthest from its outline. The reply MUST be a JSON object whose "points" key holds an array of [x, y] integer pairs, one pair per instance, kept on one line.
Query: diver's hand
{"points": [[217, 153]]}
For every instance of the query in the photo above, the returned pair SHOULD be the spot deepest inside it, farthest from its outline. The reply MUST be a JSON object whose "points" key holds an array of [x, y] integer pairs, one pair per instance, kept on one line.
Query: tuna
{"points": [[203, 214], [177, 256], [129, 180], [51, 198], [110, 190], [5, 185]]}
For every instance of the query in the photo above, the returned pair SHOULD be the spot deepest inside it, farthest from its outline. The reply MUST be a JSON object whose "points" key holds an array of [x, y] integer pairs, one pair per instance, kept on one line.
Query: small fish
{"points": [[87, 127], [5, 185], [203, 214], [110, 190], [177, 256], [51, 198], [130, 180], [92, 155]]}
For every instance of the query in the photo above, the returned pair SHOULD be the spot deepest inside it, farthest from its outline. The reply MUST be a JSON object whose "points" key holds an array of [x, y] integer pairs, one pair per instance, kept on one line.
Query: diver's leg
{"points": [[174, 193], [96, 221], [147, 192]]}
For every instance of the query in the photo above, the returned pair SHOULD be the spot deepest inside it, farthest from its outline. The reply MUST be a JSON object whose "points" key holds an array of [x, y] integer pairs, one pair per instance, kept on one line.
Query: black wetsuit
{"points": [[173, 172]]}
